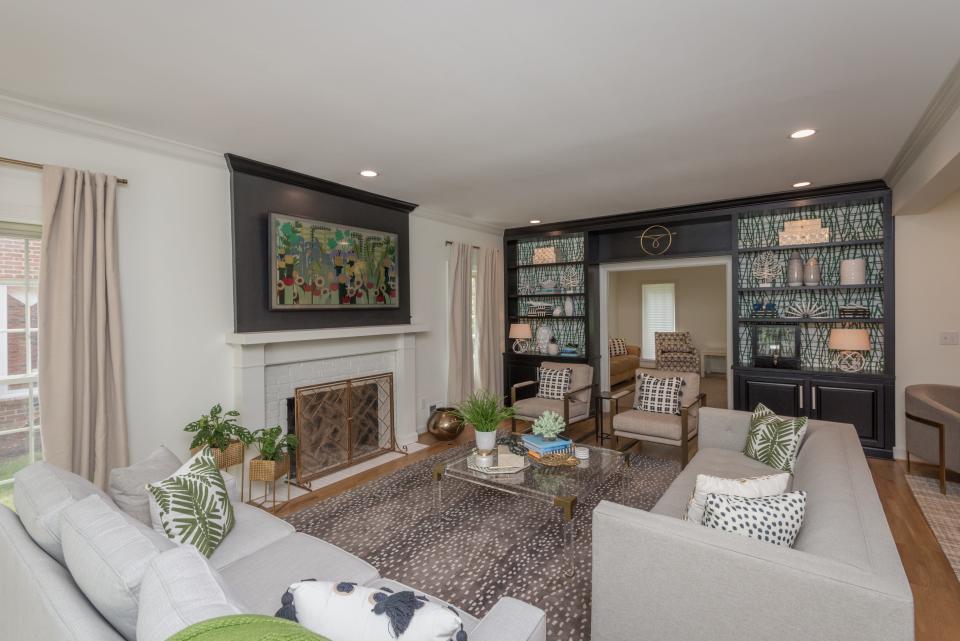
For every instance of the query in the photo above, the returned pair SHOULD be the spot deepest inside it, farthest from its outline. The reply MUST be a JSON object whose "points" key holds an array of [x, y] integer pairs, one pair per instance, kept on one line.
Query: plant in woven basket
{"points": [[218, 429], [273, 444], [484, 411], [549, 425]]}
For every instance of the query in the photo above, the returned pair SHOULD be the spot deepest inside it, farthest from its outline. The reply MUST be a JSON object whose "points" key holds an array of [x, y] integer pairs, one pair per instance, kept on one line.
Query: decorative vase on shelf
{"points": [[568, 306], [558, 311], [544, 334], [853, 271], [795, 270], [552, 348], [811, 273]]}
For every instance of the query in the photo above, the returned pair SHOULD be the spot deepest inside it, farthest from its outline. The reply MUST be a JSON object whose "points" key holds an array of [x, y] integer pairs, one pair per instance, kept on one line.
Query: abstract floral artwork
{"points": [[318, 265]]}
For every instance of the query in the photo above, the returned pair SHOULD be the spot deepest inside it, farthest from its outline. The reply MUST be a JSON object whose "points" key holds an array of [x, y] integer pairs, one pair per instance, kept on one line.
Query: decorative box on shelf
{"points": [[803, 232]]}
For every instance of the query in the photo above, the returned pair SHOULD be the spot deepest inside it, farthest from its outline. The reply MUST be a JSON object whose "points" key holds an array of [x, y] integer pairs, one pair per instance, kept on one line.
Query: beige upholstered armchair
{"points": [[675, 352], [933, 426], [668, 429], [575, 405]]}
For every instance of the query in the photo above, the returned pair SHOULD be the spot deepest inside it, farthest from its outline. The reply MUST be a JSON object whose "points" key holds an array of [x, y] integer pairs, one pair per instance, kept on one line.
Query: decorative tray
{"points": [[472, 464]]}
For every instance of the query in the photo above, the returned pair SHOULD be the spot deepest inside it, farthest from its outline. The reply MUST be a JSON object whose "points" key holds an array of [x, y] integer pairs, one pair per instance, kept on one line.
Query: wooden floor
{"points": [[936, 590]]}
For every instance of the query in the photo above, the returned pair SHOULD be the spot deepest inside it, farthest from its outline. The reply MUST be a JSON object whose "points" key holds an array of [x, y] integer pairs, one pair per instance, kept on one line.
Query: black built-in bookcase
{"points": [[861, 225]]}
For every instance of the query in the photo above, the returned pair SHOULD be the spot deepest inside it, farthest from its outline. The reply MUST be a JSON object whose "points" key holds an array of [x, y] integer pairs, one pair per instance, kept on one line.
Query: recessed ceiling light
{"points": [[369, 173], [802, 183], [803, 133], [535, 221]]}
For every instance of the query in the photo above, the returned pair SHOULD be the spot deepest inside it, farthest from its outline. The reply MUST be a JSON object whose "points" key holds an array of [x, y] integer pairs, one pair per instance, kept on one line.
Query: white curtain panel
{"points": [[490, 319], [81, 337], [460, 349]]}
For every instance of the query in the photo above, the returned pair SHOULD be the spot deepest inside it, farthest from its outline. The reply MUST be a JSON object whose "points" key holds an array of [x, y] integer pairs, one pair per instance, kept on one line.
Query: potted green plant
{"points": [[273, 461], [485, 411], [549, 425], [222, 433]]}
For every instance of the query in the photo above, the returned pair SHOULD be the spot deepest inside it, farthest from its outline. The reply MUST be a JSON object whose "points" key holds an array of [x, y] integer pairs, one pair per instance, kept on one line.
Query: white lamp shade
{"points": [[851, 340], [520, 330]]}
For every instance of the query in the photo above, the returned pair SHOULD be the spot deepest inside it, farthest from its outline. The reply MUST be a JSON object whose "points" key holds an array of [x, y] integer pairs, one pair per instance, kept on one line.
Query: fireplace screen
{"points": [[342, 423]]}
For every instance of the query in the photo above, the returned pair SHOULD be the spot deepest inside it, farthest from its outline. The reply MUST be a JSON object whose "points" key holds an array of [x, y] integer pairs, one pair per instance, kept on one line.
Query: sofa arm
{"points": [[698, 583], [511, 620], [633, 350], [723, 429]]}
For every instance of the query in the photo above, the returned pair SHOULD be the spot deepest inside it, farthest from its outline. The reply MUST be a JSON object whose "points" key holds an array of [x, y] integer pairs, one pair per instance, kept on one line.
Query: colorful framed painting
{"points": [[319, 265]]}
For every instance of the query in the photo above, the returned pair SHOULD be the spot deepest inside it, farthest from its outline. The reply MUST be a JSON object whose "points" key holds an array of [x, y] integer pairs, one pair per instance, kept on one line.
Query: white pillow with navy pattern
{"points": [[351, 612], [618, 347], [774, 519], [658, 395], [554, 383]]}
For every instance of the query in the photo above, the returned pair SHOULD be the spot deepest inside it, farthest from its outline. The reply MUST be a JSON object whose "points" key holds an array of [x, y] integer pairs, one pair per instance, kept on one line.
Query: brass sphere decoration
{"points": [[444, 424]]}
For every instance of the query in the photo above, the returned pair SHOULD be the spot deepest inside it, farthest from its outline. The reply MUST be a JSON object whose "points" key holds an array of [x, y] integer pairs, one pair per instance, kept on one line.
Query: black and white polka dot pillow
{"points": [[774, 519]]}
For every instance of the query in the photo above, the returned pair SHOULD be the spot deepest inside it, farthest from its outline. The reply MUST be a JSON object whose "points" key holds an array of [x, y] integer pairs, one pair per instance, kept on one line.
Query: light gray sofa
{"points": [[656, 576], [258, 560]]}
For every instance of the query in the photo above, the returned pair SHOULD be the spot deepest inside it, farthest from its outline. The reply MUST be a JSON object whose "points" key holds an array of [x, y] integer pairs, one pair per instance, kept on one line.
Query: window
{"points": [[659, 315], [20, 442]]}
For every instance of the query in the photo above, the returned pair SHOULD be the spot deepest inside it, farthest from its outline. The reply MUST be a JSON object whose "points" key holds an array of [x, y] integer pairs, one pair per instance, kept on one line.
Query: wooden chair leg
{"points": [[908, 461]]}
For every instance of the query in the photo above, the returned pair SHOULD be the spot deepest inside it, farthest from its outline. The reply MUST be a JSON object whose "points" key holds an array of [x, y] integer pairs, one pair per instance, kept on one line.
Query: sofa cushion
{"points": [[40, 492], [532, 408], [622, 364], [342, 611], [774, 440], [107, 553], [128, 485], [260, 579], [617, 347], [553, 383], [658, 395], [581, 377], [772, 519], [469, 621], [714, 462], [193, 506], [181, 589], [253, 530], [751, 487]]}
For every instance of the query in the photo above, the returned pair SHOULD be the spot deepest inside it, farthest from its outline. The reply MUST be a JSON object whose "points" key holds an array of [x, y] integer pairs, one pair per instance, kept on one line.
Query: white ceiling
{"points": [[504, 110]]}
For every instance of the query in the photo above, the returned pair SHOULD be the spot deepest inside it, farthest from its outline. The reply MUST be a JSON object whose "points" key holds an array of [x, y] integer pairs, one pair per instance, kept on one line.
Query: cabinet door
{"points": [[859, 404], [782, 395]]}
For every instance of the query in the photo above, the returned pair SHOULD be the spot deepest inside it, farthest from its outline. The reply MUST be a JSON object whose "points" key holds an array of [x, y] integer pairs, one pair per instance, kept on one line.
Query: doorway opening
{"points": [[684, 300]]}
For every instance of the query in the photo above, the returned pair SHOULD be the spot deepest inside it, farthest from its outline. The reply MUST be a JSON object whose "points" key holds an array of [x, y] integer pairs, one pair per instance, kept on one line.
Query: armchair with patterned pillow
{"points": [[675, 352], [572, 403]]}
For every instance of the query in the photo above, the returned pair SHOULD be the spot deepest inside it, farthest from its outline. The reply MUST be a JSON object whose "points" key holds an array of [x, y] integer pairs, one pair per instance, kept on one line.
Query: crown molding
{"points": [[943, 105], [34, 114], [458, 220]]}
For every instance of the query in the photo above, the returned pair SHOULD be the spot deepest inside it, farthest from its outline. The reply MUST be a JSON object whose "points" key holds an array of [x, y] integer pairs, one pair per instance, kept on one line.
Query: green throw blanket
{"points": [[246, 627]]}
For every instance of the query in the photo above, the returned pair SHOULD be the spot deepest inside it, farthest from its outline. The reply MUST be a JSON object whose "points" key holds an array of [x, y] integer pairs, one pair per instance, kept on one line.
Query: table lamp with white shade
{"points": [[520, 333], [850, 345]]}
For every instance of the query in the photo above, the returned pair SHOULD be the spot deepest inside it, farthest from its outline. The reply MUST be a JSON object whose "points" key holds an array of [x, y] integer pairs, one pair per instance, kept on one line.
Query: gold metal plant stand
{"points": [[268, 473]]}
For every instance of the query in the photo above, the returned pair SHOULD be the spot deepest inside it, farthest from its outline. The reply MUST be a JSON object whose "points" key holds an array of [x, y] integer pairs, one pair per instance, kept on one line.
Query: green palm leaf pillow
{"points": [[773, 440], [192, 506]]}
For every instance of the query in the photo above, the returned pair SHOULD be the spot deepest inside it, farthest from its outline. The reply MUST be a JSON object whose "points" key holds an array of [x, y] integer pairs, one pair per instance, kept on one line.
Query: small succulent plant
{"points": [[549, 425]]}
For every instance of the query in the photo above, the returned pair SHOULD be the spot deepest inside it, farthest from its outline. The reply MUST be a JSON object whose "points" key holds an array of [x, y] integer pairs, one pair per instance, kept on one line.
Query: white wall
{"points": [[927, 299], [176, 273], [429, 302], [700, 295]]}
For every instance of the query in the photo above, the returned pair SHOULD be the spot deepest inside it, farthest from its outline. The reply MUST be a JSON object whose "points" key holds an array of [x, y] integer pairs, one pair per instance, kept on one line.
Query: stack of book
{"points": [[537, 446]]}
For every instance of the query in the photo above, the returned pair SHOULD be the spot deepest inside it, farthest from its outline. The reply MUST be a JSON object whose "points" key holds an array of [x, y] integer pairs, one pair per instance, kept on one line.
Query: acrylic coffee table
{"points": [[561, 487]]}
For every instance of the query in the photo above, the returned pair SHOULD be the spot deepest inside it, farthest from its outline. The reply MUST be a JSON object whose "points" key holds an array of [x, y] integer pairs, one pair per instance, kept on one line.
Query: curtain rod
{"points": [[450, 242], [36, 165]]}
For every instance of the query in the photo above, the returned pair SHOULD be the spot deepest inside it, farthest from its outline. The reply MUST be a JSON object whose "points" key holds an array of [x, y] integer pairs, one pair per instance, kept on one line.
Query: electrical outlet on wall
{"points": [[950, 338]]}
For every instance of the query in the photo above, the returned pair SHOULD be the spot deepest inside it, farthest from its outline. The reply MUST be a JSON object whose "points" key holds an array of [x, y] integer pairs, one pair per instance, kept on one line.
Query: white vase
{"points": [[811, 273], [795, 270], [486, 441], [853, 271], [553, 349], [544, 334], [568, 306]]}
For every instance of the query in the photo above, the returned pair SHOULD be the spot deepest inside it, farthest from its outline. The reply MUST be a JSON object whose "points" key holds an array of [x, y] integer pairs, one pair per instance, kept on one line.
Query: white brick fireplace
{"points": [[269, 366]]}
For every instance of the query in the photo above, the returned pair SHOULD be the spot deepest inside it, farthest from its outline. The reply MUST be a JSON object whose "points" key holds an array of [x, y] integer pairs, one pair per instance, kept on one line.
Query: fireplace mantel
{"points": [[300, 335]]}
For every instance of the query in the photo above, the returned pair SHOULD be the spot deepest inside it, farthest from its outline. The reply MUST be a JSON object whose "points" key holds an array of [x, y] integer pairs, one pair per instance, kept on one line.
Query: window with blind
{"points": [[19, 399], [659, 315]]}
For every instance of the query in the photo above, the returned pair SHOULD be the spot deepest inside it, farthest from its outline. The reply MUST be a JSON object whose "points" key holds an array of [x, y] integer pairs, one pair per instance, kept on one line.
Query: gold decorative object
{"points": [[558, 459], [229, 457], [268, 473], [444, 424], [656, 240]]}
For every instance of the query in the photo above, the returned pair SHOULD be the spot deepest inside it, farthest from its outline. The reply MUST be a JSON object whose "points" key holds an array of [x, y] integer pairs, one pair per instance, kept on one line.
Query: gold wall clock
{"points": [[656, 240]]}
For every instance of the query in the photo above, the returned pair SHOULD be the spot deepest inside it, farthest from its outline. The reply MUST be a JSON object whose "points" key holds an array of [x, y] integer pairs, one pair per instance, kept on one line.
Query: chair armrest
{"points": [[515, 387], [511, 620]]}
